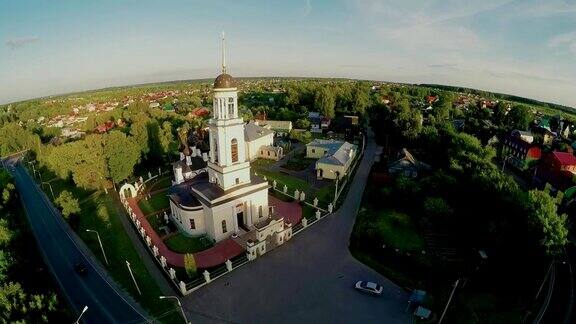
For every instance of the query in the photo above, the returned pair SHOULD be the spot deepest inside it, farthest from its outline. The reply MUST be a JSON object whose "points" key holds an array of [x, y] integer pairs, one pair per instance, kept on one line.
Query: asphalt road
{"points": [[62, 250], [308, 279]]}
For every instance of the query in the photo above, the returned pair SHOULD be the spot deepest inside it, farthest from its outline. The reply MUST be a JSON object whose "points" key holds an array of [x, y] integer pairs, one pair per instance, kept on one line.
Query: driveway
{"points": [[308, 279]]}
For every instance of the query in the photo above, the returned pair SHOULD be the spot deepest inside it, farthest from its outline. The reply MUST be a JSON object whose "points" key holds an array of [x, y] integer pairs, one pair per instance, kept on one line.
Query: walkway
{"points": [[308, 279], [291, 211]]}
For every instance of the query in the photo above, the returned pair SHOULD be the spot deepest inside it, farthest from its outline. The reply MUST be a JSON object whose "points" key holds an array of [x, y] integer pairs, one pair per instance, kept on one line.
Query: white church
{"points": [[224, 198]]}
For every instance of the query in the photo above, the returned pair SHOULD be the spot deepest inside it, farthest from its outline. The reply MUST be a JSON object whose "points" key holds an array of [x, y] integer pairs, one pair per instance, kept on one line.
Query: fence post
{"points": [[206, 275]]}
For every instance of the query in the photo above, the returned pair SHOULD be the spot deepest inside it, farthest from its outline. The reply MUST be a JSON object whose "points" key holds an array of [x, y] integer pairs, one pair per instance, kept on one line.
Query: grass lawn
{"points": [[308, 212], [156, 221], [298, 162], [398, 230], [282, 179], [162, 183], [258, 164], [325, 196], [188, 244], [102, 214], [154, 204]]}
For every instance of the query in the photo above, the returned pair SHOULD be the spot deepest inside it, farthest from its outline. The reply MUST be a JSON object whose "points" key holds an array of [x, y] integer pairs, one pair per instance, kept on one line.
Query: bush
{"points": [[190, 265]]}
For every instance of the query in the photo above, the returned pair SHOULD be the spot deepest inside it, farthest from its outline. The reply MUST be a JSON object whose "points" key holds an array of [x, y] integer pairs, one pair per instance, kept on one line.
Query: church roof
{"points": [[224, 81], [253, 132]]}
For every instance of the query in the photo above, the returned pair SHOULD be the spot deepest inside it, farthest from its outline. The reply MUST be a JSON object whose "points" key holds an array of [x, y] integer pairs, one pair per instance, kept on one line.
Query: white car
{"points": [[369, 287]]}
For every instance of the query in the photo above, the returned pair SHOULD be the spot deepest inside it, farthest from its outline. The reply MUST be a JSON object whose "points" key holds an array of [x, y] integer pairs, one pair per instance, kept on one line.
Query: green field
{"points": [[102, 214]]}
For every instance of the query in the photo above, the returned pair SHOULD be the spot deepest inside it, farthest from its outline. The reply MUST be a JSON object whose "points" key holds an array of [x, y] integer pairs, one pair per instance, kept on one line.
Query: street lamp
{"points": [[100, 242], [179, 305], [51, 191], [79, 317], [335, 191]]}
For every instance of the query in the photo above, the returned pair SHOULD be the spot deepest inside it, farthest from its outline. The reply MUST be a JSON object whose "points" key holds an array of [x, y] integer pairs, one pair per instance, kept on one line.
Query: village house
{"points": [[520, 153], [334, 157], [406, 165], [558, 169]]}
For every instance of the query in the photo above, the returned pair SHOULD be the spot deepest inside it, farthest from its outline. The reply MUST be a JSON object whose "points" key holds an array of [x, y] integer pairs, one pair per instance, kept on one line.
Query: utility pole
{"points": [[100, 242], [133, 279], [449, 300]]}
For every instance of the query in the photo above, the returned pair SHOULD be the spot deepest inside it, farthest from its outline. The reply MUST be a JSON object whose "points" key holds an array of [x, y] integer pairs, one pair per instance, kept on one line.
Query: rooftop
{"points": [[253, 132], [339, 152], [564, 158]]}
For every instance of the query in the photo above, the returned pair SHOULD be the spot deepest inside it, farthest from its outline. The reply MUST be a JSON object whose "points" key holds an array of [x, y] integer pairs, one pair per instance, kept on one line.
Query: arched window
{"points": [[224, 229], [259, 211], [234, 150]]}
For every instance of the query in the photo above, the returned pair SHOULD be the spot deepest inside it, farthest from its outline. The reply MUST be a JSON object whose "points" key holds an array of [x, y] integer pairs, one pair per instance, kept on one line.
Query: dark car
{"points": [[80, 269]]}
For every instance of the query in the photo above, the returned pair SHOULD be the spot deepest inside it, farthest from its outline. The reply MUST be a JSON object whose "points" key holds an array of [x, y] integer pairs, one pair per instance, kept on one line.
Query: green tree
{"points": [[292, 97], [361, 100], [190, 264], [14, 138], [302, 123], [139, 130], [325, 102], [68, 204], [122, 154], [437, 208], [409, 122], [544, 218], [519, 117]]}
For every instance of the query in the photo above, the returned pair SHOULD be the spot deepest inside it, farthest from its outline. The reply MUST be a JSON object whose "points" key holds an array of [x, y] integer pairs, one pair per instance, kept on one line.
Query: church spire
{"points": [[223, 53]]}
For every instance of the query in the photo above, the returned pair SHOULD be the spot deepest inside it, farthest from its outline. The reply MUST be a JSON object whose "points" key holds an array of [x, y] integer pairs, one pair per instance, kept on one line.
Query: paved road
{"points": [[308, 279], [61, 250]]}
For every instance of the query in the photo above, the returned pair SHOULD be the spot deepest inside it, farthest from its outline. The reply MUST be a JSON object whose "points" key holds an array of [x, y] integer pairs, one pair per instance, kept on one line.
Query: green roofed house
{"points": [[334, 157]]}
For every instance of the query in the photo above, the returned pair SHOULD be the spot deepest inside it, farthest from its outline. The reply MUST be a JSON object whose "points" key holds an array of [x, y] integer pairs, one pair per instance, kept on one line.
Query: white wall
{"points": [[253, 148]]}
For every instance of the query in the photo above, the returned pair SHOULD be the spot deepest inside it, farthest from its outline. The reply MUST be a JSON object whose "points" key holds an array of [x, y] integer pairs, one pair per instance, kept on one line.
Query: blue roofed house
{"points": [[334, 157]]}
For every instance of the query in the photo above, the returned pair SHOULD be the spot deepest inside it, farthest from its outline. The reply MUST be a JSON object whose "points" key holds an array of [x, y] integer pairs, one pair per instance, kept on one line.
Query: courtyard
{"points": [[310, 279]]}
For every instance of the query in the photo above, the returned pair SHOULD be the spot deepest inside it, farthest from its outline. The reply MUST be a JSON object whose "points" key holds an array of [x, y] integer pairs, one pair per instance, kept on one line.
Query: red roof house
{"points": [[558, 169], [200, 112], [105, 127]]}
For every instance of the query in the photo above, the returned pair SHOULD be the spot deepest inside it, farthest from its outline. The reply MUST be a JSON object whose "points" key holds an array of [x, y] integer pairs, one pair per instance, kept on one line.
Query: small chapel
{"points": [[224, 198]]}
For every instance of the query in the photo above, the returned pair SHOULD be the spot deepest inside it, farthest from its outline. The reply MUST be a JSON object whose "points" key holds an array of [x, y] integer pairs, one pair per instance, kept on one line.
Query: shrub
{"points": [[190, 264]]}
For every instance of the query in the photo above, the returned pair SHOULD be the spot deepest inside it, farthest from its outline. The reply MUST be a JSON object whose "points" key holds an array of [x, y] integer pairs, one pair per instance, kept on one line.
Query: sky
{"points": [[526, 47]]}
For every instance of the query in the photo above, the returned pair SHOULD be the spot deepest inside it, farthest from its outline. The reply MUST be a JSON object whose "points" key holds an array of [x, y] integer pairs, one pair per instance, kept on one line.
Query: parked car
{"points": [[369, 287]]}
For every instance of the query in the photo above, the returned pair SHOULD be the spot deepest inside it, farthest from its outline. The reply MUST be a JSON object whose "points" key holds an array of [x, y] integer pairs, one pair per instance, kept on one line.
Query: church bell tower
{"points": [[228, 166]]}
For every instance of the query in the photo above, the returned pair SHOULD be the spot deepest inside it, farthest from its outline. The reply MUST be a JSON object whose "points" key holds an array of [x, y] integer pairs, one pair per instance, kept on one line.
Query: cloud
{"points": [[565, 40], [427, 25], [442, 66], [307, 8], [16, 43]]}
